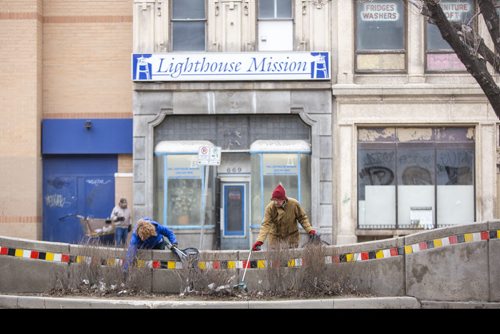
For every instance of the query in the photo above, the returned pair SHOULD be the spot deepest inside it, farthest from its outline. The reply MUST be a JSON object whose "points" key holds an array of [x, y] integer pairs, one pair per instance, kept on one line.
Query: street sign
{"points": [[209, 155], [215, 153], [203, 155]]}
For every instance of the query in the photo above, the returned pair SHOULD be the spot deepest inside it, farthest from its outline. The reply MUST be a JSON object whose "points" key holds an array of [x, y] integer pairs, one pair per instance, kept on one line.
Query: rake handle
{"points": [[246, 267]]}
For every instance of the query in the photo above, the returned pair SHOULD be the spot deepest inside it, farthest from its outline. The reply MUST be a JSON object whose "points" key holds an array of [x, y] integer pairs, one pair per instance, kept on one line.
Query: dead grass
{"points": [[207, 282], [313, 278], [98, 277], [100, 274]]}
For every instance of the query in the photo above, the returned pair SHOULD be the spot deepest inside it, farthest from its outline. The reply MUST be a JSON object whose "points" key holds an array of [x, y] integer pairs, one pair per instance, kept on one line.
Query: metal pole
{"points": [[203, 205]]}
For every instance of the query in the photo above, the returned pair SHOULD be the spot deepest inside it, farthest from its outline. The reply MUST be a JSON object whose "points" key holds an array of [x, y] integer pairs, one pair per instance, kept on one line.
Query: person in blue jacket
{"points": [[148, 234]]}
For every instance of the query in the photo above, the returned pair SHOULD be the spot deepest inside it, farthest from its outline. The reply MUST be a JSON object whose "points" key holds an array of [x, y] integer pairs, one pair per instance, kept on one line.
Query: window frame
{"points": [[292, 6], [394, 144], [357, 52], [258, 19], [173, 20], [373, 146], [443, 51]]}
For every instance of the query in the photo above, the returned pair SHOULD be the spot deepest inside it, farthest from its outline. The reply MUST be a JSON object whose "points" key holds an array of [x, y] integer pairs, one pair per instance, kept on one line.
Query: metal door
{"points": [[234, 215], [79, 185]]}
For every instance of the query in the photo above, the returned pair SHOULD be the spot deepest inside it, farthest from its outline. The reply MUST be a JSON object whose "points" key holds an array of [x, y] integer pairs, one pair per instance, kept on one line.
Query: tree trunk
{"points": [[474, 65], [491, 19]]}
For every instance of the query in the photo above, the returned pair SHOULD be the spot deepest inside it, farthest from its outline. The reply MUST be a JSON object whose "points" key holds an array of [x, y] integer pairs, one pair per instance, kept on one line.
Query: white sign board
{"points": [[208, 66], [182, 167], [203, 155], [387, 11], [215, 154], [209, 155], [270, 169], [421, 217]]}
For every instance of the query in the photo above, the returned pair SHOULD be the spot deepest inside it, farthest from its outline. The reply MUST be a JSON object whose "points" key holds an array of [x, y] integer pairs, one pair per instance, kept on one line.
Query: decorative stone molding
{"points": [[245, 7], [320, 3], [158, 8], [145, 6]]}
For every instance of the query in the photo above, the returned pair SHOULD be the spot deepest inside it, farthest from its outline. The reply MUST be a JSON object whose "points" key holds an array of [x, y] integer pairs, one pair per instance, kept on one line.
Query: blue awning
{"points": [[87, 136]]}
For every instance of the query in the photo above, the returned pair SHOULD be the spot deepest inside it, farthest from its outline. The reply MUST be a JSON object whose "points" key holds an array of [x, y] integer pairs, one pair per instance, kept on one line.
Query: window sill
{"points": [[387, 232]]}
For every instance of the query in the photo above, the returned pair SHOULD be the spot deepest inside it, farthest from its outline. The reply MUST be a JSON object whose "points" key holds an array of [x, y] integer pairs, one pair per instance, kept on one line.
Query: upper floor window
{"points": [[275, 25], [188, 25], [439, 54], [380, 36]]}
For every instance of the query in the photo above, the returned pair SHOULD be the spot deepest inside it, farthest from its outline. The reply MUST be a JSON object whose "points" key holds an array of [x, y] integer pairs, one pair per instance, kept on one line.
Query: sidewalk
{"points": [[36, 302]]}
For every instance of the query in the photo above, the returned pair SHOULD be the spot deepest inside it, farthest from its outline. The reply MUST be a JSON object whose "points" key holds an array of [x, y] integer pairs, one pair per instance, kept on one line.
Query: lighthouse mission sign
{"points": [[218, 66]]}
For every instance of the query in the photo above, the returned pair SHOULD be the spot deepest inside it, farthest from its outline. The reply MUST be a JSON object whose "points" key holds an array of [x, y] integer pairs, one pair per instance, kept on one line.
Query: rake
{"points": [[242, 286], [187, 255]]}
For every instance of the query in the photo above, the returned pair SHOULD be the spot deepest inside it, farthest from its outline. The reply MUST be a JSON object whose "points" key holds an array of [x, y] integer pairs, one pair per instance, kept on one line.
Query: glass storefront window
{"points": [[440, 56], [455, 185], [415, 178], [182, 179], [376, 188], [280, 168], [183, 188], [273, 169], [415, 170], [380, 36], [291, 169], [184, 201]]}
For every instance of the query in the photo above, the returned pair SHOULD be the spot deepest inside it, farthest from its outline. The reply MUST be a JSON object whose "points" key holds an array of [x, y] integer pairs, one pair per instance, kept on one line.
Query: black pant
{"points": [[161, 245]]}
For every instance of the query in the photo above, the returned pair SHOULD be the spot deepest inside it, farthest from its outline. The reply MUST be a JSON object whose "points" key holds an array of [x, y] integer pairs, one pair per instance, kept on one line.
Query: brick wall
{"points": [[87, 46], [58, 59], [20, 107], [123, 180]]}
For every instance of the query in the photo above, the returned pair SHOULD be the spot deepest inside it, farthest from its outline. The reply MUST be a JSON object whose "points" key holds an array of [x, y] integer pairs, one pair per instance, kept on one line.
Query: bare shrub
{"points": [[204, 282], [342, 278], [282, 280], [312, 278], [99, 272]]}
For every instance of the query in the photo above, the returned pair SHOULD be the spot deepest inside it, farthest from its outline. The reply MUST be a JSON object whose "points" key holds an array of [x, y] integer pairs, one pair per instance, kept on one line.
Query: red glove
{"points": [[256, 245], [312, 232]]}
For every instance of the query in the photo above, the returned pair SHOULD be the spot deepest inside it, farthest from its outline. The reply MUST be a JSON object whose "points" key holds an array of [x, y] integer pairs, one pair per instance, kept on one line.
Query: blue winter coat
{"points": [[136, 242]]}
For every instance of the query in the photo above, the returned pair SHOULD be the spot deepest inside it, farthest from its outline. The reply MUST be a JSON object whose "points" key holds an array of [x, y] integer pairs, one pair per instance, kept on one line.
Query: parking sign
{"points": [[209, 155]]}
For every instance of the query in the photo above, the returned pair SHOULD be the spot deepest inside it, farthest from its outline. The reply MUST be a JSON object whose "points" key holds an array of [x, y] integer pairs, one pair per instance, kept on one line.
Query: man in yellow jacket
{"points": [[280, 221]]}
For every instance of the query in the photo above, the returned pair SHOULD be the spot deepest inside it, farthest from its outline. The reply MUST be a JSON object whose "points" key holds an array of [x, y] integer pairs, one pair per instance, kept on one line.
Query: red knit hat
{"points": [[279, 193]]}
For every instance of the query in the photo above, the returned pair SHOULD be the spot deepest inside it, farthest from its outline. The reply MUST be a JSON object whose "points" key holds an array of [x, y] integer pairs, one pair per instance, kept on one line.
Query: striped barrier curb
{"points": [[259, 264]]}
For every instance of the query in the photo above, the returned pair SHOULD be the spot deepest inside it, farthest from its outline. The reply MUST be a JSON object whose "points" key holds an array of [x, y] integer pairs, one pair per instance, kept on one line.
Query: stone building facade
{"points": [[401, 137], [397, 138]]}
